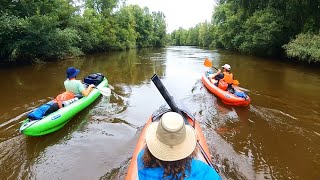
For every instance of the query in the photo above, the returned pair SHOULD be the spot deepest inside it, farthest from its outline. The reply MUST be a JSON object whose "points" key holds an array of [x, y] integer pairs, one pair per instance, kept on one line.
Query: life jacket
{"points": [[223, 85], [228, 77], [67, 95]]}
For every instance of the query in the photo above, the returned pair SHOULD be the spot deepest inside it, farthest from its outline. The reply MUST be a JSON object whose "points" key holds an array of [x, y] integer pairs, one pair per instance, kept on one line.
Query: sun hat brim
{"points": [[74, 74], [170, 153]]}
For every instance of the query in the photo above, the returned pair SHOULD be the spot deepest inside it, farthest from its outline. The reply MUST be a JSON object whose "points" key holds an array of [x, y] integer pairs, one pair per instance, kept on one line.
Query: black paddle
{"points": [[169, 99]]}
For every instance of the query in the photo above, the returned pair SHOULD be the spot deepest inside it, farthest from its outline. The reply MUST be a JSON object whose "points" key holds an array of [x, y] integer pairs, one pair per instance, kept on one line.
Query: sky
{"points": [[179, 13]]}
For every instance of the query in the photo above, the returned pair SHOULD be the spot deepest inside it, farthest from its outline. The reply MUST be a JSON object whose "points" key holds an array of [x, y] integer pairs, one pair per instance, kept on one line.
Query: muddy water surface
{"points": [[276, 137]]}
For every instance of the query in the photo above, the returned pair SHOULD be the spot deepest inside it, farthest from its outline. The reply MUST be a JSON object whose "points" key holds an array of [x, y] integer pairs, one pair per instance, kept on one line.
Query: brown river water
{"points": [[276, 137]]}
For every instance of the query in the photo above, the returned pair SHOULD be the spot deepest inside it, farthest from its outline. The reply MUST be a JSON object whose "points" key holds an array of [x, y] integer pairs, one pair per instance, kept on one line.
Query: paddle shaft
{"points": [[243, 89], [169, 99], [215, 68], [102, 90]]}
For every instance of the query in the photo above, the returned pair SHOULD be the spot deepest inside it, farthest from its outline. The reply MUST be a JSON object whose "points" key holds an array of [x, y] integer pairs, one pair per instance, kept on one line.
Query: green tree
{"points": [[126, 24], [263, 33], [159, 29], [262, 27], [306, 47], [205, 37], [36, 30]]}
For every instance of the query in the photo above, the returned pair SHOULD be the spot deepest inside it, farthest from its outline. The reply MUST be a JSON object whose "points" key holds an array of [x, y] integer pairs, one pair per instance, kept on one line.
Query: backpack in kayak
{"points": [[63, 97], [95, 79], [43, 110], [240, 94]]}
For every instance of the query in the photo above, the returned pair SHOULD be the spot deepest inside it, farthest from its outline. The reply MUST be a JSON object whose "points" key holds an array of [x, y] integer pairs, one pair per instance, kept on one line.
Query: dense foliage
{"points": [[200, 35], [305, 47], [260, 27], [38, 30]]}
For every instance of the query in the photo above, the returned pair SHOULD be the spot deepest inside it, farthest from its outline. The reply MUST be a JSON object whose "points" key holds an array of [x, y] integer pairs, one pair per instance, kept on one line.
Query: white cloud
{"points": [[180, 13]]}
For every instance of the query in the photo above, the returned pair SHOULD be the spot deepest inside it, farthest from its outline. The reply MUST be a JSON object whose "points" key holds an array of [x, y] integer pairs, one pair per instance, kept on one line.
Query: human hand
{"points": [[92, 86]]}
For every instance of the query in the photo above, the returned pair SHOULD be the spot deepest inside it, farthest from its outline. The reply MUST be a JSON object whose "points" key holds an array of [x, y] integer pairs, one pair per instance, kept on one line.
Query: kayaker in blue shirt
{"points": [[75, 86], [170, 152]]}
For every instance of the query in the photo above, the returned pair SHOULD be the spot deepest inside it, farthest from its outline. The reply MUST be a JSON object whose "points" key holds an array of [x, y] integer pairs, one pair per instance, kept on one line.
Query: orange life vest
{"points": [[222, 85], [228, 77], [67, 95]]}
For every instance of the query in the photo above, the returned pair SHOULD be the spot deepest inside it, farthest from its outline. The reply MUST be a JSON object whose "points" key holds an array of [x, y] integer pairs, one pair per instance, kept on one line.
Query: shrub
{"points": [[305, 47]]}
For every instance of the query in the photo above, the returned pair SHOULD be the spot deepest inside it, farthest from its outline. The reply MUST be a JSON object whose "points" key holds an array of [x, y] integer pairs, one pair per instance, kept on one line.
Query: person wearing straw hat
{"points": [[75, 86], [170, 152]]}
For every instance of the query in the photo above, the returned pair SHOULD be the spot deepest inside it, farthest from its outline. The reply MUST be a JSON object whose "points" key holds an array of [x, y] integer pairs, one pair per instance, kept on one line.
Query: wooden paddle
{"points": [[236, 83]]}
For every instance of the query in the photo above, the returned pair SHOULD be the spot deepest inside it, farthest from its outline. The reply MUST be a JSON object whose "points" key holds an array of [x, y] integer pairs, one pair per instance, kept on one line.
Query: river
{"points": [[276, 137]]}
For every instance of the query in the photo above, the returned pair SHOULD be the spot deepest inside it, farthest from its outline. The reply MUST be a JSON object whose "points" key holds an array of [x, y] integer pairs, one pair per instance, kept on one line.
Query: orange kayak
{"points": [[133, 169], [225, 96]]}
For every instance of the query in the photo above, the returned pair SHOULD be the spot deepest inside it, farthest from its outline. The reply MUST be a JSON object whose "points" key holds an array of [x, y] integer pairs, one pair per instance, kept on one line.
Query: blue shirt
{"points": [[199, 170]]}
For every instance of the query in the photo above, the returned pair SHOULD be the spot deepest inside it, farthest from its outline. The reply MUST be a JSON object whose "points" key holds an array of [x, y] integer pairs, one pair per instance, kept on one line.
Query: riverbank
{"points": [[48, 31]]}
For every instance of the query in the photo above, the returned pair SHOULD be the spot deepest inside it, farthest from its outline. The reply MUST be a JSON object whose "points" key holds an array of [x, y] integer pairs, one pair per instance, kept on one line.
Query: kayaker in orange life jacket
{"points": [[226, 76]]}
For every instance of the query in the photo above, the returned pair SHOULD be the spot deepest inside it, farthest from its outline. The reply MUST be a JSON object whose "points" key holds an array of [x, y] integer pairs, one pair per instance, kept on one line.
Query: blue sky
{"points": [[180, 13]]}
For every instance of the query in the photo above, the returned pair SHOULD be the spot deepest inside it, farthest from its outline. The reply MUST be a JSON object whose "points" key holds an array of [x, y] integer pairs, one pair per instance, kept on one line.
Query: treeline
{"points": [[278, 28], [42, 30]]}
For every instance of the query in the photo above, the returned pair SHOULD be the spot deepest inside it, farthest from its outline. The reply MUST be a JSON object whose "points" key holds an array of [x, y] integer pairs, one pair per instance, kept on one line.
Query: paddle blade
{"points": [[104, 91], [110, 86], [236, 82], [207, 62]]}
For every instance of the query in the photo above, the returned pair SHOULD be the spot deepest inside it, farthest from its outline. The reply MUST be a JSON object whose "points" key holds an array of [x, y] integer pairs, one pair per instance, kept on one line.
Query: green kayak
{"points": [[58, 119]]}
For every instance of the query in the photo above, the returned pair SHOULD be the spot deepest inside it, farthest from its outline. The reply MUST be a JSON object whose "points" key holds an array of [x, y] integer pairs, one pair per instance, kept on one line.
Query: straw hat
{"points": [[170, 139]]}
